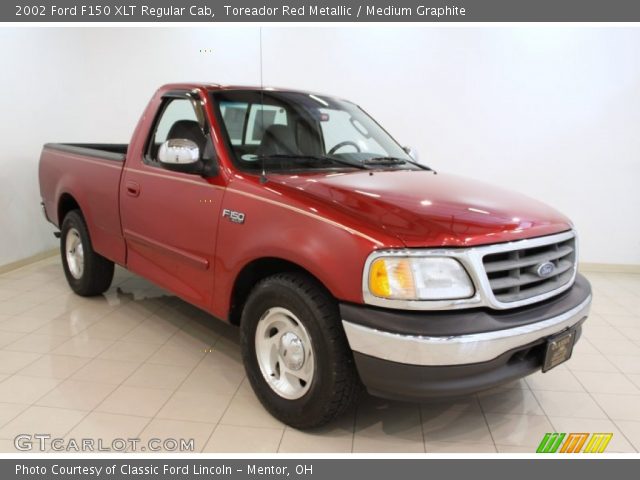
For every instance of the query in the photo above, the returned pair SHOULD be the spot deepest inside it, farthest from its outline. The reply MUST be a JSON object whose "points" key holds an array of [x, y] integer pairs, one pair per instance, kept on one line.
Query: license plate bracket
{"points": [[558, 349]]}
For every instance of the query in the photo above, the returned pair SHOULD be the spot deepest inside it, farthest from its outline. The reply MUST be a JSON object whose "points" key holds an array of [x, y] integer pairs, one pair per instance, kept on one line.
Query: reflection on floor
{"points": [[138, 362]]}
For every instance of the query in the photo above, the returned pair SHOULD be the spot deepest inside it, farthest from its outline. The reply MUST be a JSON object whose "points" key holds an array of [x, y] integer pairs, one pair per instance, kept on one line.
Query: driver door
{"points": [[169, 218]]}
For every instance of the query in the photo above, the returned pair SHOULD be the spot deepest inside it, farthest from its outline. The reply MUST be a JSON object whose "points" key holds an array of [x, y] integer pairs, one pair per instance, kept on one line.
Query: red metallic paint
{"points": [[425, 209], [173, 233], [93, 183]]}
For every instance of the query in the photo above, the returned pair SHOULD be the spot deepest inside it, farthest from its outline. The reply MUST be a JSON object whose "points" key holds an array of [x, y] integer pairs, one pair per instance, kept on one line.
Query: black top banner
{"points": [[221, 11]]}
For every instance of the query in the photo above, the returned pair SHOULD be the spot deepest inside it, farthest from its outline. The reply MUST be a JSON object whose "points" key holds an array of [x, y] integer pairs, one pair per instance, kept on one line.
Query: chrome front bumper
{"points": [[457, 349]]}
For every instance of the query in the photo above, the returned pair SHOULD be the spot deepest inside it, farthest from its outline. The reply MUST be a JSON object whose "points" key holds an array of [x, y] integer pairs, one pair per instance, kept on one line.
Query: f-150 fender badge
{"points": [[233, 216]]}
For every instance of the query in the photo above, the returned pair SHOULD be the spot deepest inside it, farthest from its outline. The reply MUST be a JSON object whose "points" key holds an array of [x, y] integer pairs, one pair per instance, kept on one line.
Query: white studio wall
{"points": [[553, 112], [91, 85]]}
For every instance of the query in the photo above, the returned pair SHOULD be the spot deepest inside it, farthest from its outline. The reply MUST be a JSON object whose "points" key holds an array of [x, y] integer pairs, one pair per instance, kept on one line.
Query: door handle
{"points": [[133, 188]]}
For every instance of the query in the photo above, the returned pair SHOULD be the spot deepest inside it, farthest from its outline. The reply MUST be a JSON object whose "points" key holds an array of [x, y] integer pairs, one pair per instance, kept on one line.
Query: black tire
{"points": [[335, 384], [97, 271]]}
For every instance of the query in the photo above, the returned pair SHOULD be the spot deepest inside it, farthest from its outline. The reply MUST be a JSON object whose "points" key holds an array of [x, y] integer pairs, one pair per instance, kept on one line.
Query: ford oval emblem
{"points": [[545, 269]]}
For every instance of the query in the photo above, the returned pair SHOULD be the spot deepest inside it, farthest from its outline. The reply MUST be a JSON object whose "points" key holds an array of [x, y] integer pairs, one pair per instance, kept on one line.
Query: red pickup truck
{"points": [[343, 261]]}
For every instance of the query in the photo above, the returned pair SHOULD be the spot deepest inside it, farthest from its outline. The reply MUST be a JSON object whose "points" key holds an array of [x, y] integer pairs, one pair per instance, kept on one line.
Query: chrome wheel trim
{"points": [[284, 353], [74, 253]]}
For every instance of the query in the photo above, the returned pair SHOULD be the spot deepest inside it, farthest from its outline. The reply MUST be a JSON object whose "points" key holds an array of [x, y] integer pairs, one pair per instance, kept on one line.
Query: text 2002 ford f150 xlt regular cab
{"points": [[298, 218]]}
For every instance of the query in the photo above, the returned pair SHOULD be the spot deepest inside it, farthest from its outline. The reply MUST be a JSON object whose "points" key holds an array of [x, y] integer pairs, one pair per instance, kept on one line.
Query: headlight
{"points": [[418, 278]]}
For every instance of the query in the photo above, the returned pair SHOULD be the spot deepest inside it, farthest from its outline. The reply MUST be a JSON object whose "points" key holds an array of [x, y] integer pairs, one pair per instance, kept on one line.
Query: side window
{"points": [[233, 116], [246, 124], [262, 117], [247, 129], [177, 120]]}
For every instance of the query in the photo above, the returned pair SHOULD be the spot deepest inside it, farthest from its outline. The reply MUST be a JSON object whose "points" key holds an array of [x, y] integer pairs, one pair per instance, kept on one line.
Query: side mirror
{"points": [[181, 155], [412, 152]]}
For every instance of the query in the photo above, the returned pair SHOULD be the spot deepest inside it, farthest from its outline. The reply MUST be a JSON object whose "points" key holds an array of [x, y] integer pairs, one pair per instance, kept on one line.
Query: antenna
{"points": [[263, 176]]}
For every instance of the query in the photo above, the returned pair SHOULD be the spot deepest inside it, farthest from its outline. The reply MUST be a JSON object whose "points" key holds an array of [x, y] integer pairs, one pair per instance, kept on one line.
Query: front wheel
{"points": [[295, 352], [88, 273]]}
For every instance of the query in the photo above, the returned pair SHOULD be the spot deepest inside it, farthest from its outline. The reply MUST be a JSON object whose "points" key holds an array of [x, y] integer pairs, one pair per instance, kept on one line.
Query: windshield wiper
{"points": [[362, 165], [293, 156], [384, 161], [392, 161]]}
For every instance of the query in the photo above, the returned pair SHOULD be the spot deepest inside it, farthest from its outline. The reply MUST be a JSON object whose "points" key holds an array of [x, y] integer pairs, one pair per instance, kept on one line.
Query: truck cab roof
{"points": [[213, 87]]}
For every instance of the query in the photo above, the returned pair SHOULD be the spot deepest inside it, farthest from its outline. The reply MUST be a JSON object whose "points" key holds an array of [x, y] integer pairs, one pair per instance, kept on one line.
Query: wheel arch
{"points": [[256, 270], [66, 203]]}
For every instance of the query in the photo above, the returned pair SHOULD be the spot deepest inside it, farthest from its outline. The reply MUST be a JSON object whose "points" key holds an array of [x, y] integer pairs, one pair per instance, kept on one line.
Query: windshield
{"points": [[300, 131]]}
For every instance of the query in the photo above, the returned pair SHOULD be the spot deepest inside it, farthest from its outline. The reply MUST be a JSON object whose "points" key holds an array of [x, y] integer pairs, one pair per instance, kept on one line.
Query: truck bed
{"points": [[89, 174], [106, 151]]}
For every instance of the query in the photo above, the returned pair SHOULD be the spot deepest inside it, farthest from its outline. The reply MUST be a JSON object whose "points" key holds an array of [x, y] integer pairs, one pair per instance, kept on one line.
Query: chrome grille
{"points": [[513, 274]]}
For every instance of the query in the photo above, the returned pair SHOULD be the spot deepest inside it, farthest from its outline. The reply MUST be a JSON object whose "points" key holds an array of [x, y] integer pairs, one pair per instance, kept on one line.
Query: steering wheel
{"points": [[344, 144]]}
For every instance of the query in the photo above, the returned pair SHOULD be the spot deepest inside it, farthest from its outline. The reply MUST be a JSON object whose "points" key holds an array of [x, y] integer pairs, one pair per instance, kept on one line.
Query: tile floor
{"points": [[139, 363]]}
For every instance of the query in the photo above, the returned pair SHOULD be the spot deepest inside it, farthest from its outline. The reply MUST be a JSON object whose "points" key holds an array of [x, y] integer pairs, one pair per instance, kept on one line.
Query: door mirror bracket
{"points": [[412, 152]]}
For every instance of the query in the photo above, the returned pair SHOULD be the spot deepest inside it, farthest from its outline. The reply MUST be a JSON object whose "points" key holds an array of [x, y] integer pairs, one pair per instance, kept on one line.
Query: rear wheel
{"points": [[295, 352], [88, 273]]}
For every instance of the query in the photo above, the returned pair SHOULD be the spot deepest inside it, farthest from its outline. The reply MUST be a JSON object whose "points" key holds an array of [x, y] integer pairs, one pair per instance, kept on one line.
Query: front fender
{"points": [[332, 252]]}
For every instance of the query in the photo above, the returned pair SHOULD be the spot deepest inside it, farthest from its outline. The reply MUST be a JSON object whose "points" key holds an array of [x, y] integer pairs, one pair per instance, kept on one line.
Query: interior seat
{"points": [[278, 140], [190, 130], [309, 140]]}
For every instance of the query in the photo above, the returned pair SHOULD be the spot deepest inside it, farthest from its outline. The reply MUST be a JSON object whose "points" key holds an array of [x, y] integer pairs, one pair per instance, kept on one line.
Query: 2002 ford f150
{"points": [[342, 260]]}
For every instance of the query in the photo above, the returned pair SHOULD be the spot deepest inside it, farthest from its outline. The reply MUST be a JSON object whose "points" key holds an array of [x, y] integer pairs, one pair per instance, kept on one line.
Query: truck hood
{"points": [[422, 208]]}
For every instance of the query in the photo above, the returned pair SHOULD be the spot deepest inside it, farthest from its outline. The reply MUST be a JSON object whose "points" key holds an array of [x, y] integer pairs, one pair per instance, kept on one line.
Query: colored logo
{"points": [[574, 442], [545, 269]]}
